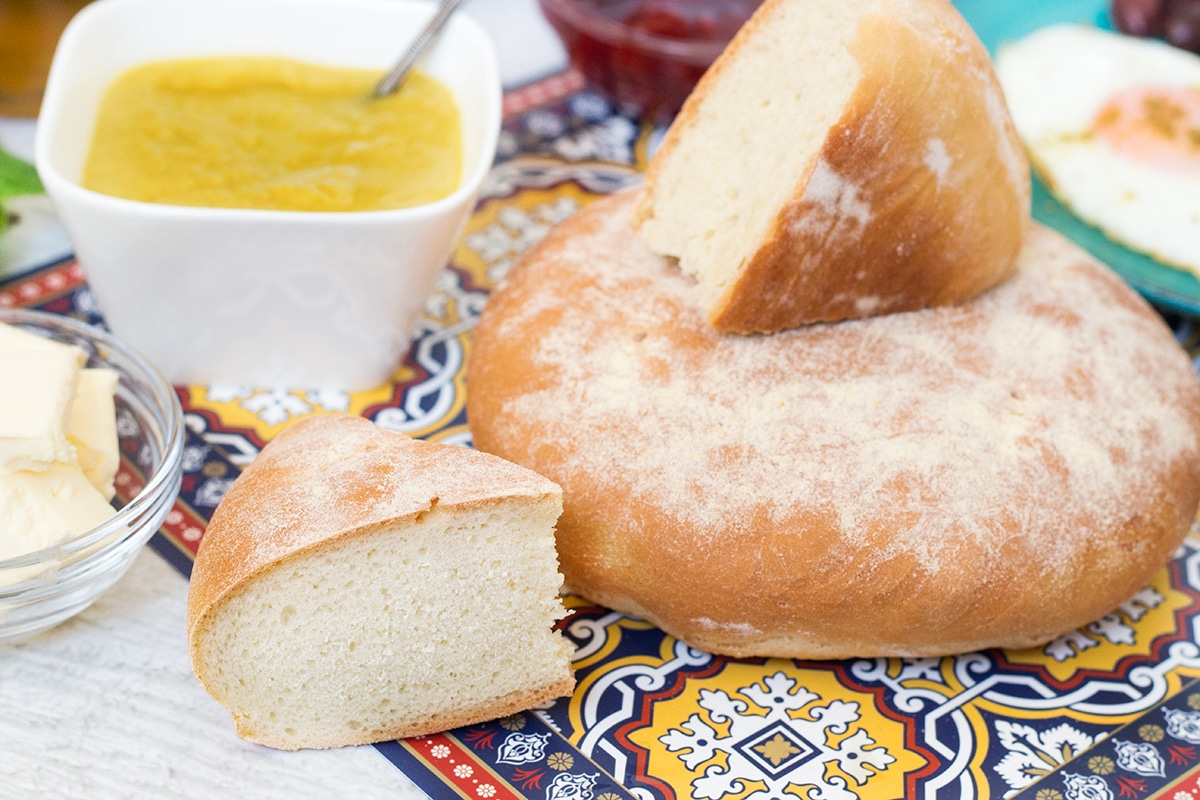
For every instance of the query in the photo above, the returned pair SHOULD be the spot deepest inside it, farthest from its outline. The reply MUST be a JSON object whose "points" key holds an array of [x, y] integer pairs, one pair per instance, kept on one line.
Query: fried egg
{"points": [[1112, 126]]}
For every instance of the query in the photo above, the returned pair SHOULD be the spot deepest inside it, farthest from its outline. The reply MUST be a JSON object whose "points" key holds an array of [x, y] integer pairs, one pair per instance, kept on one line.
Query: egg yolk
{"points": [[273, 133], [1158, 126]]}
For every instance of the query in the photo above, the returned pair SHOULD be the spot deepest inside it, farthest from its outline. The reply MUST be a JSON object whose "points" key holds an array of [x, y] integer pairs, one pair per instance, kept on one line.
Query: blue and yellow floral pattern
{"points": [[1108, 711]]}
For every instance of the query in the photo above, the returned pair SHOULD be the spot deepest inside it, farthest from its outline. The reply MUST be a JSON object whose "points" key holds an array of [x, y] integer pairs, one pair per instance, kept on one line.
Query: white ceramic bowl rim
{"points": [[163, 394], [467, 186]]}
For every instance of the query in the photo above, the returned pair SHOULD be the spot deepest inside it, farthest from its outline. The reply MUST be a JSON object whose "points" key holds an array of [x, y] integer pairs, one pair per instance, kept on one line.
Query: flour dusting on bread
{"points": [[1048, 429]]}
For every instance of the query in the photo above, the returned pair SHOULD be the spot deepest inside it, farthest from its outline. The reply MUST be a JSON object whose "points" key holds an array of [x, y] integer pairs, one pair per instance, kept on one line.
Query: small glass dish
{"points": [[41, 589], [645, 55]]}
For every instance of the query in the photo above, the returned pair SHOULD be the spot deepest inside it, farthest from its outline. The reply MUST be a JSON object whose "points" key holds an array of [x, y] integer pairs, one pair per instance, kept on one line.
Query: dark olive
{"points": [[1181, 24], [1140, 17]]}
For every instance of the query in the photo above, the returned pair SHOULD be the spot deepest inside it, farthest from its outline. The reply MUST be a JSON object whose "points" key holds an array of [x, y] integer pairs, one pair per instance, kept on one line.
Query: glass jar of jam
{"points": [[645, 55]]}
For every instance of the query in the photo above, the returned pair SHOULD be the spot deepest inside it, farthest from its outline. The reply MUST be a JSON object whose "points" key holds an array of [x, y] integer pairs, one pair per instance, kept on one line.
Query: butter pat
{"points": [[37, 388], [15, 340], [58, 442], [92, 428], [46, 507]]}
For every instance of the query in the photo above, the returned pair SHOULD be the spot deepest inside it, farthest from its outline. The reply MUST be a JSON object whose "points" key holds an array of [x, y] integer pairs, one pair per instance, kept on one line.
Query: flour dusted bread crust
{"points": [[842, 158], [356, 585], [991, 474]]}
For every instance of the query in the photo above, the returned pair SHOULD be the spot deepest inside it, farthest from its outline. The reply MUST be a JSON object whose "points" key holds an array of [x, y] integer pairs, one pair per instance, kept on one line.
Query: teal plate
{"points": [[1000, 21]]}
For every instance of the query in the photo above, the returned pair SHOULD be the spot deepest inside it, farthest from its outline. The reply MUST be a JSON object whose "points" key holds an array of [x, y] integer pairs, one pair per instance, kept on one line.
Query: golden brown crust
{"points": [[502, 707], [919, 196], [990, 474]]}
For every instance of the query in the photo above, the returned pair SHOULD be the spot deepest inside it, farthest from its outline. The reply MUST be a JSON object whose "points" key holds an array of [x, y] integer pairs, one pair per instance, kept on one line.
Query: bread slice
{"points": [[841, 159], [357, 585]]}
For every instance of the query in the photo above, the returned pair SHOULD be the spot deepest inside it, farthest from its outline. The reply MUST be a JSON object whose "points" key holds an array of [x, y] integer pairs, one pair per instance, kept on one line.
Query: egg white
{"points": [[1056, 80]]}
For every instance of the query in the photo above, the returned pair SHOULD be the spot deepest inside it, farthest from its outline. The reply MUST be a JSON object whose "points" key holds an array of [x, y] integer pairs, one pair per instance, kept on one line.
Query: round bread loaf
{"points": [[842, 158], [989, 474]]}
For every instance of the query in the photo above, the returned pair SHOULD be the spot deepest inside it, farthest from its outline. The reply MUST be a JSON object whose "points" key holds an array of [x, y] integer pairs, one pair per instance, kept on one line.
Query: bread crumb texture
{"points": [[841, 159], [357, 585], [988, 474]]}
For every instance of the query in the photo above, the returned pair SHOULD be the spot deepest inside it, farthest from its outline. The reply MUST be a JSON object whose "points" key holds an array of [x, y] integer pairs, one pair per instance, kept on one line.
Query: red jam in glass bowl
{"points": [[646, 55]]}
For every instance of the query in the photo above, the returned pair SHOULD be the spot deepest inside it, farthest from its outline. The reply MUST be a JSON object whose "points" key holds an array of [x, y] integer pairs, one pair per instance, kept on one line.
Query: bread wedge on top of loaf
{"points": [[356, 585], [841, 159]]}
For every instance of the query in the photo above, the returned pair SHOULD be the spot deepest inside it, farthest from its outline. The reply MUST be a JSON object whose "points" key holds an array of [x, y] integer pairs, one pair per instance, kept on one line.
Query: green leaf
{"points": [[17, 177]]}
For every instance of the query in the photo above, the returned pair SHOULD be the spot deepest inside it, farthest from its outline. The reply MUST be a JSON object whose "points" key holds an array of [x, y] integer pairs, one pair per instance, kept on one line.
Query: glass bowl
{"points": [[645, 55], [41, 589]]}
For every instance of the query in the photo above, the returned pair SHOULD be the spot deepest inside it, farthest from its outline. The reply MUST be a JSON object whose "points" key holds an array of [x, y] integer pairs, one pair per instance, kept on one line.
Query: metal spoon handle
{"points": [[398, 73]]}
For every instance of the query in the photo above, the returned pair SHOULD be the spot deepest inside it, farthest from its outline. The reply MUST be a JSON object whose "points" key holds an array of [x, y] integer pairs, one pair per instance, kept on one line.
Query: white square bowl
{"points": [[251, 297]]}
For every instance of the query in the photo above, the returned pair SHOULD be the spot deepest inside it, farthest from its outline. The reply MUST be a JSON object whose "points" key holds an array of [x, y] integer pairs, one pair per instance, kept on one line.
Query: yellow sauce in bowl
{"points": [[273, 133]]}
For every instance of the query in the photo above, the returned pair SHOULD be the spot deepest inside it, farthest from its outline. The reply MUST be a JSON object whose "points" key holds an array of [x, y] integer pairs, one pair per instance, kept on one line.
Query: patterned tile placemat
{"points": [[1111, 710]]}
